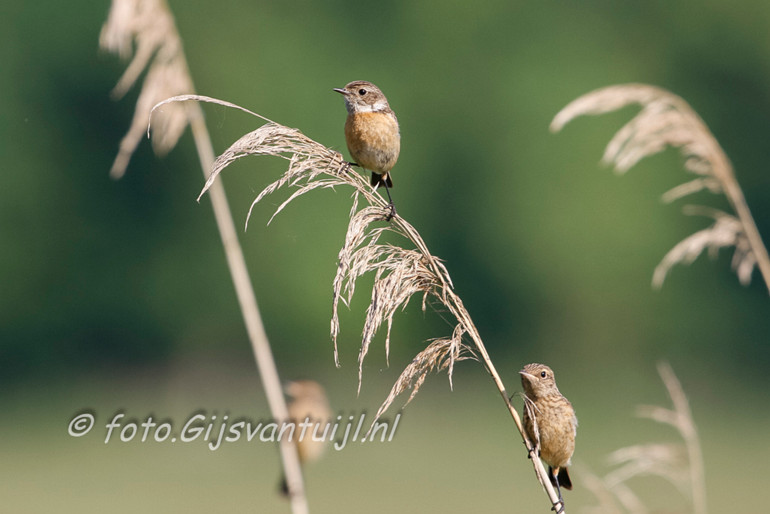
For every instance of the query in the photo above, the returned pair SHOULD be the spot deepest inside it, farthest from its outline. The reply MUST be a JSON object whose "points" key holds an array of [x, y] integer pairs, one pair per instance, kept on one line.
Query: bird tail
{"points": [[381, 180], [283, 487], [564, 480]]}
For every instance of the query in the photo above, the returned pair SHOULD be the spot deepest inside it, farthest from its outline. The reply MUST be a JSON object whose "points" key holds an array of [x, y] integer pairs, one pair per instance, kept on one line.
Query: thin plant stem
{"points": [[686, 426], [680, 465], [732, 190], [735, 195], [481, 351], [146, 29], [455, 305]]}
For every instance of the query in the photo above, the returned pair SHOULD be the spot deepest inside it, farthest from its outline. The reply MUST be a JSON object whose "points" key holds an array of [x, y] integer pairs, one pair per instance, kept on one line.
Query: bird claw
{"points": [[530, 451], [560, 508], [345, 166], [392, 213]]}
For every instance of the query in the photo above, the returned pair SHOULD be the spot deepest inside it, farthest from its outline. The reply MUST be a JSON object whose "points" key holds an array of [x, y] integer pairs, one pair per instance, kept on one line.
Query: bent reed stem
{"points": [[399, 272], [456, 307], [540, 471]]}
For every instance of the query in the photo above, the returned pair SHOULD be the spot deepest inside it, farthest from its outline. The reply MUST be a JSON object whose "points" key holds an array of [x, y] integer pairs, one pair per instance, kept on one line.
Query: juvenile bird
{"points": [[550, 422], [307, 400], [371, 132]]}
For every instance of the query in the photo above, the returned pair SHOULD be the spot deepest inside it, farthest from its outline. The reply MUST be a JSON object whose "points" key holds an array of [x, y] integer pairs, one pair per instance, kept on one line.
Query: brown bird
{"points": [[371, 132], [550, 422], [307, 401]]}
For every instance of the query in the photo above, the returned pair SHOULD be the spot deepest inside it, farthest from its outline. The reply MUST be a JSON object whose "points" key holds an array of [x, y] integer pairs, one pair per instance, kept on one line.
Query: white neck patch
{"points": [[377, 107]]}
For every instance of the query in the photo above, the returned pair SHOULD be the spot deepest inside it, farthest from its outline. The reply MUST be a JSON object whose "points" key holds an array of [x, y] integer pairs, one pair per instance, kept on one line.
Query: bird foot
{"points": [[558, 507], [346, 167], [534, 450], [392, 213]]}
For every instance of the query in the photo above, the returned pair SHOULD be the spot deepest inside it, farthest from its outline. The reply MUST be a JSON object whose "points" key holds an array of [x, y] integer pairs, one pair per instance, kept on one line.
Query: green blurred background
{"points": [[116, 296]]}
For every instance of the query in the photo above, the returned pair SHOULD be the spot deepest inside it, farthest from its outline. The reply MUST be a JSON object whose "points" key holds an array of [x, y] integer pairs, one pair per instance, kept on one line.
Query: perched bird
{"points": [[550, 422], [307, 401], [371, 132]]}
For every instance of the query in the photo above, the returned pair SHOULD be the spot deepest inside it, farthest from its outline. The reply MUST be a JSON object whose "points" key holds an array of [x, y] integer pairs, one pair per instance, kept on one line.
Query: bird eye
{"points": [[362, 92], [543, 374]]}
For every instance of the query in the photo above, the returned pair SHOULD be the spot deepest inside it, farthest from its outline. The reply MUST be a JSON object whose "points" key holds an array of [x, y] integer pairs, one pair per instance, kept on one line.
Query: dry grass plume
{"points": [[680, 464], [667, 120], [400, 272], [146, 30]]}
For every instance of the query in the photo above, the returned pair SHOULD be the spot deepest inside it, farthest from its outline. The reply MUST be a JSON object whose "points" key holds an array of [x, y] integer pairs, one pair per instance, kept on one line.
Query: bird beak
{"points": [[531, 378], [344, 92]]}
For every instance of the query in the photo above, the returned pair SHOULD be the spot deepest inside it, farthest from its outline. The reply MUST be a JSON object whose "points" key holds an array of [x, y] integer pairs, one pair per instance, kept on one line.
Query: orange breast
{"points": [[373, 140]]}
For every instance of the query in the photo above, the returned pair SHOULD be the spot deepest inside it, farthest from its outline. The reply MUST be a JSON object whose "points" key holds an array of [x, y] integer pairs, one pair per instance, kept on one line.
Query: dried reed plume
{"points": [[680, 464], [667, 120], [149, 25], [399, 272]]}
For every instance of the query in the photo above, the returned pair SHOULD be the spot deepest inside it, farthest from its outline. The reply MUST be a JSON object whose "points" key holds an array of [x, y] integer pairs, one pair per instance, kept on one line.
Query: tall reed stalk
{"points": [[149, 26]]}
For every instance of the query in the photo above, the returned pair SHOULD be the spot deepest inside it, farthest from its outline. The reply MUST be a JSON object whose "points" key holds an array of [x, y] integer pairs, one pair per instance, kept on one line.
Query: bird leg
{"points": [[390, 203], [558, 507]]}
